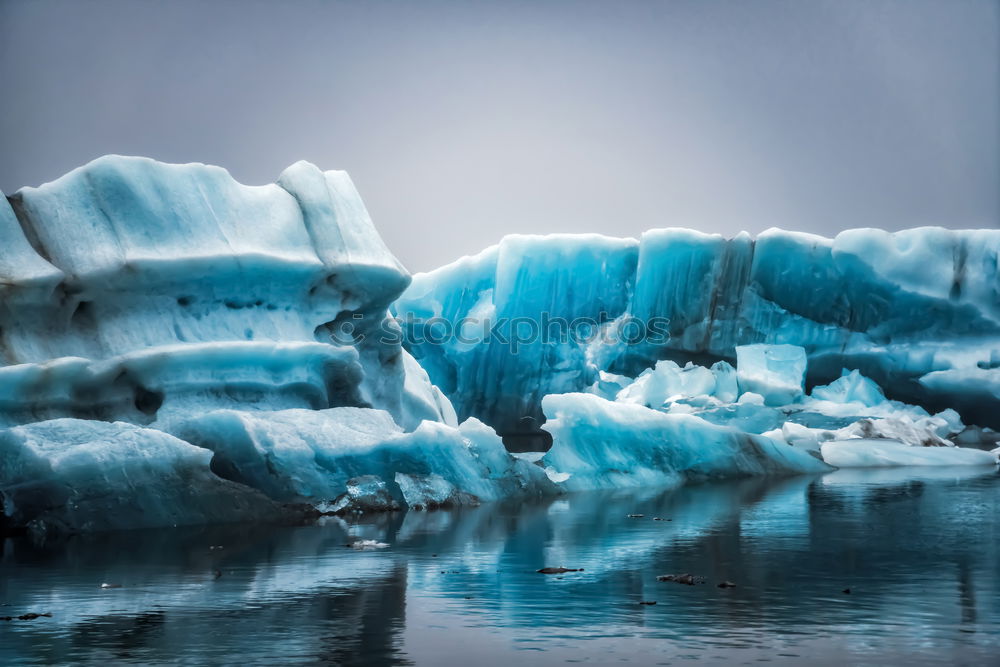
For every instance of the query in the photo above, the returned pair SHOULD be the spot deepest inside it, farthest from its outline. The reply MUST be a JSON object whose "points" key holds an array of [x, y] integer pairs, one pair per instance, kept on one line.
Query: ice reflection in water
{"points": [[917, 548]]}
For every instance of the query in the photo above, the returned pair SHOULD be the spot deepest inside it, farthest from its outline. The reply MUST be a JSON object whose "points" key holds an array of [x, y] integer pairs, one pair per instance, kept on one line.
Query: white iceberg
{"points": [[882, 453]]}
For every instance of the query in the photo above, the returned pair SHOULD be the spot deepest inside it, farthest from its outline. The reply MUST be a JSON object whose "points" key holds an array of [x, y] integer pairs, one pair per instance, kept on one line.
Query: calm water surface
{"points": [[919, 551]]}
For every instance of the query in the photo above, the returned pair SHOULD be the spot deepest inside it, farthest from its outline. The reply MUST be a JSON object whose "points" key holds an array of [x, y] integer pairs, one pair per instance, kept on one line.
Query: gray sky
{"points": [[464, 121]]}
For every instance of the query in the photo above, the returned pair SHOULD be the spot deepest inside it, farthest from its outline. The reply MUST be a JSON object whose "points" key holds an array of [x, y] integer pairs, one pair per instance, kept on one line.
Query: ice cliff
{"points": [[917, 311]]}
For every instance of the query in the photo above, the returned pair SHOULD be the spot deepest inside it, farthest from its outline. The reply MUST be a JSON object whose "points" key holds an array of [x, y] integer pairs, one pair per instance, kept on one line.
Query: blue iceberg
{"points": [[916, 311], [179, 348]]}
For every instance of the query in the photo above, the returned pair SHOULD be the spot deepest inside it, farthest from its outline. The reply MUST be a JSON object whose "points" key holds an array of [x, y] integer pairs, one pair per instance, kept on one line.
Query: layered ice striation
{"points": [[145, 307], [137, 291], [178, 348], [917, 311]]}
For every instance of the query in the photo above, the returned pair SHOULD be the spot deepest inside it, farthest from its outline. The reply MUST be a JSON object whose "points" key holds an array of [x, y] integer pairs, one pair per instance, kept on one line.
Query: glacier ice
{"points": [[865, 453], [366, 493], [667, 426], [916, 311], [668, 382], [609, 444], [851, 387], [311, 455], [153, 295], [431, 491], [139, 291], [83, 475], [176, 347], [775, 372]]}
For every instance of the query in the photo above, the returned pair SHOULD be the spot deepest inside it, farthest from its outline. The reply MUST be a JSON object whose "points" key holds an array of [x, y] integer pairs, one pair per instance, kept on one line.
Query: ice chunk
{"points": [[74, 475], [915, 432], [726, 383], [668, 382], [851, 387], [776, 372], [366, 493], [608, 385], [431, 492], [869, 453], [308, 455], [605, 444], [292, 454], [746, 416]]}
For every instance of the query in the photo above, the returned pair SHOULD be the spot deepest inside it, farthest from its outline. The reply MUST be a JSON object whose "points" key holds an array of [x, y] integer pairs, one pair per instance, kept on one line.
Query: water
{"points": [[919, 550]]}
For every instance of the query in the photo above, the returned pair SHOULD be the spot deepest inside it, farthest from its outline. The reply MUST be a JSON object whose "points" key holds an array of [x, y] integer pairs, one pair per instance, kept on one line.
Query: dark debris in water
{"points": [[688, 579], [558, 570], [25, 617]]}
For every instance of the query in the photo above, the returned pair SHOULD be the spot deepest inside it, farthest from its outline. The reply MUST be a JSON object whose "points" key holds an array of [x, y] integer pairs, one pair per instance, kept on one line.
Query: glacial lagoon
{"points": [[918, 549]]}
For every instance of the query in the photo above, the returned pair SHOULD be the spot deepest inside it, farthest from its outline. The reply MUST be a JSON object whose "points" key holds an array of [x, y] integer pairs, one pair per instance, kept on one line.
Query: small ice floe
{"points": [[216, 547], [636, 516], [688, 579], [106, 585], [555, 476], [367, 545], [558, 570], [880, 452]]}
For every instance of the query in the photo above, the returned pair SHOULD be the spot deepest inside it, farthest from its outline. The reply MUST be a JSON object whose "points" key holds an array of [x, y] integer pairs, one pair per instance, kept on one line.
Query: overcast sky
{"points": [[464, 121]]}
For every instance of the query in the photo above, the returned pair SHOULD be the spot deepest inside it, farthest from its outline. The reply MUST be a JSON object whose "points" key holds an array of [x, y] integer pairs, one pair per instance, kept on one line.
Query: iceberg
{"points": [[915, 311], [609, 444], [143, 303], [641, 438], [144, 292], [865, 453], [179, 348], [70, 475], [311, 456]]}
